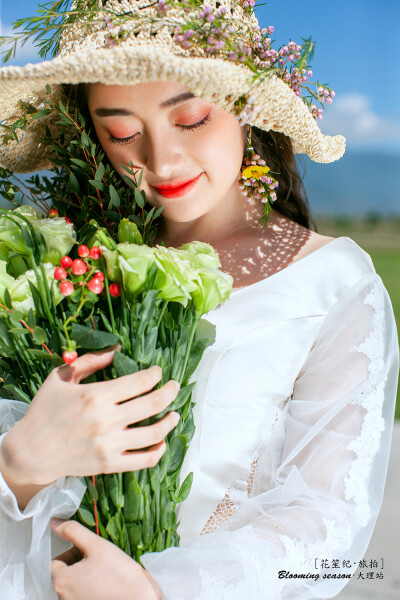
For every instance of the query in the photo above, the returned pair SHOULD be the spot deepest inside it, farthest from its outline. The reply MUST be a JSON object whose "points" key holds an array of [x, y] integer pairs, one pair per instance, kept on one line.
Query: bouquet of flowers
{"points": [[74, 287]]}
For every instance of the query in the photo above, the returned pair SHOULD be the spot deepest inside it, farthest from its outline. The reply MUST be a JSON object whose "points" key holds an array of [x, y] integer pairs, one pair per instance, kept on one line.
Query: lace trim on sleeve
{"points": [[371, 397]]}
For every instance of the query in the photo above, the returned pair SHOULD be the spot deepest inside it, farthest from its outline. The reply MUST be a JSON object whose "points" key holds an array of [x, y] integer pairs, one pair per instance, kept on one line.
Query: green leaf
{"points": [[184, 489], [115, 199], [92, 339], [39, 336], [139, 198], [85, 140], [180, 400], [16, 316], [7, 298], [100, 172], [15, 392], [112, 216], [86, 516], [98, 185], [92, 490], [80, 163], [41, 354], [134, 533], [18, 331], [124, 365], [113, 490], [112, 530], [177, 449], [196, 352], [133, 495], [42, 113], [73, 182], [147, 531], [56, 360]]}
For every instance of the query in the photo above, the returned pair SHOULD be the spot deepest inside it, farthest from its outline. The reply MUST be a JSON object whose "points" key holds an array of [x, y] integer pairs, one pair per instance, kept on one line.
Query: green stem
{"points": [[109, 302], [189, 346]]}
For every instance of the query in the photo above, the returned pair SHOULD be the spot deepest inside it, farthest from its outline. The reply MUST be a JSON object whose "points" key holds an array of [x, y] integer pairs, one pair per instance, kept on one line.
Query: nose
{"points": [[161, 152]]}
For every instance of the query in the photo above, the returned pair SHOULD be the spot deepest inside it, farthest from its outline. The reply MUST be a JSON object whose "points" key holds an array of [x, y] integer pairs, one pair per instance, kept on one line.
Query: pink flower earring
{"points": [[255, 182]]}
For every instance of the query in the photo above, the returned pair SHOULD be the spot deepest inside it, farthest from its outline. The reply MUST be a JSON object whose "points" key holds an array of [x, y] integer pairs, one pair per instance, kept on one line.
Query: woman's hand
{"points": [[82, 429], [104, 573]]}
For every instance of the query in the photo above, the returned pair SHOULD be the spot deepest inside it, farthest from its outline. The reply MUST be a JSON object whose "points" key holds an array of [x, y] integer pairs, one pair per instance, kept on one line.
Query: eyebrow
{"points": [[123, 112]]}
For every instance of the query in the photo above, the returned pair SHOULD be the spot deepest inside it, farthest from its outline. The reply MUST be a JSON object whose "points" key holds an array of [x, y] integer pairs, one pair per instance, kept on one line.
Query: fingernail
{"points": [[178, 385], [177, 416]]}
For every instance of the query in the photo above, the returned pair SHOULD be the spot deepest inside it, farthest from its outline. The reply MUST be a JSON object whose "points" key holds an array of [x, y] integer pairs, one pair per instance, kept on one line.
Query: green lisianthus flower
{"points": [[20, 290], [134, 262], [111, 257], [6, 281], [204, 254], [58, 235], [177, 277], [215, 287]]}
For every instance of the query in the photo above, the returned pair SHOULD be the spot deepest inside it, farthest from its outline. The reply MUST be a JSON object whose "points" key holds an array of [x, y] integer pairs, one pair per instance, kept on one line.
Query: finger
{"points": [[141, 437], [56, 567], [147, 406], [137, 460], [71, 556], [76, 533], [126, 387], [87, 364]]}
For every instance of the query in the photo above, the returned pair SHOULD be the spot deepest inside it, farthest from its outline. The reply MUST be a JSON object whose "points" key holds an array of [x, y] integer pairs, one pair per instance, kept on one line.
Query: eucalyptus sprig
{"points": [[83, 184]]}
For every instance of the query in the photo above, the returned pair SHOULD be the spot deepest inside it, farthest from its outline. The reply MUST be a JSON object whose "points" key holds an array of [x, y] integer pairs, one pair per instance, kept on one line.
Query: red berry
{"points": [[95, 252], [83, 251], [99, 275], [66, 288], [78, 267], [95, 285], [66, 262], [115, 290], [60, 273], [69, 356], [69, 221], [53, 213]]}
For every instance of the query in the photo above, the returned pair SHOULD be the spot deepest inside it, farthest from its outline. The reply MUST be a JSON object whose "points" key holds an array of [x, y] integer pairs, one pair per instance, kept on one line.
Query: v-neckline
{"points": [[290, 266]]}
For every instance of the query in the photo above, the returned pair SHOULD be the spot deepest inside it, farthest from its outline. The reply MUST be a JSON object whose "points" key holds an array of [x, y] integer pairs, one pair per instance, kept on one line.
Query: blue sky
{"points": [[357, 54]]}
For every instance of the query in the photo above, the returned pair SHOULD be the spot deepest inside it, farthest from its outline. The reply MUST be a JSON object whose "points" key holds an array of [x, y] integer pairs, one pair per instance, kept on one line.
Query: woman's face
{"points": [[175, 140]]}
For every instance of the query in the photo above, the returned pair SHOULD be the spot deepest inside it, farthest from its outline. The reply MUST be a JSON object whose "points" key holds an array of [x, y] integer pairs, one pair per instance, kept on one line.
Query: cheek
{"points": [[224, 147]]}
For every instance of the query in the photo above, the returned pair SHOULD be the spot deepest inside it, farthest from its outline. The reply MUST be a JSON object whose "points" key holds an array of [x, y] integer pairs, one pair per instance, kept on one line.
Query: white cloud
{"points": [[24, 54], [352, 116]]}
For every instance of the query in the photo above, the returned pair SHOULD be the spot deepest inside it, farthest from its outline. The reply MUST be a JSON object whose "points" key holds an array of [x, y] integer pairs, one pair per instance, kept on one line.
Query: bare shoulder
{"points": [[313, 242]]}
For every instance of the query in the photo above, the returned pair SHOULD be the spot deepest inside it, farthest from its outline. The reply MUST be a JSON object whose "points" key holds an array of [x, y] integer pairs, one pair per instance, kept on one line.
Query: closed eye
{"points": [[127, 140]]}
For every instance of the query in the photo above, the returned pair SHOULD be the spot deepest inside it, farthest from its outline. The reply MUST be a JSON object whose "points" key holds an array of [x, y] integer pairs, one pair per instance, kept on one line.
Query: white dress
{"points": [[294, 417]]}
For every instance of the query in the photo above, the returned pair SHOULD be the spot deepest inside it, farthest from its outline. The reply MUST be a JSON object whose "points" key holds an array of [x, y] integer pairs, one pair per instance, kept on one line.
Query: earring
{"points": [[255, 182]]}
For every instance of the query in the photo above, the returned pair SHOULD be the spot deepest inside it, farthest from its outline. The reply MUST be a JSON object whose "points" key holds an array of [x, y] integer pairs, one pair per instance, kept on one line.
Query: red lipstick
{"points": [[177, 189]]}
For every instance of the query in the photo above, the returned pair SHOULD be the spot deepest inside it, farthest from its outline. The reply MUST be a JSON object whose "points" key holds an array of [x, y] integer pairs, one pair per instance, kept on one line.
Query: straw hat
{"points": [[133, 41]]}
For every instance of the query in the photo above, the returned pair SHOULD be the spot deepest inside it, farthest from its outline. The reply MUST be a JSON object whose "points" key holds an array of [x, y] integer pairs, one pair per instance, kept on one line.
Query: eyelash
{"points": [[127, 140]]}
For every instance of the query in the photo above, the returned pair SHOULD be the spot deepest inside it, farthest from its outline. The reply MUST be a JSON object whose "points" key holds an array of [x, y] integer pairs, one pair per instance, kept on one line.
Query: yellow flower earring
{"points": [[255, 182]]}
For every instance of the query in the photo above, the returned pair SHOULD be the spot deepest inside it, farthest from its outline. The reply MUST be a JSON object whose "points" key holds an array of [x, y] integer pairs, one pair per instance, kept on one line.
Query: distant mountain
{"points": [[360, 182]]}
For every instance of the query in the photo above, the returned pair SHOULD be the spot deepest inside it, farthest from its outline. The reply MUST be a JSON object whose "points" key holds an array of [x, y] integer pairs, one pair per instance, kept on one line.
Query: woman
{"points": [[294, 398]]}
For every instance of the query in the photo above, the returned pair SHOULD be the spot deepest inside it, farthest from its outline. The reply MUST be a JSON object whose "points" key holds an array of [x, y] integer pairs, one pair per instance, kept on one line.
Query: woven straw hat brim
{"points": [[214, 79]]}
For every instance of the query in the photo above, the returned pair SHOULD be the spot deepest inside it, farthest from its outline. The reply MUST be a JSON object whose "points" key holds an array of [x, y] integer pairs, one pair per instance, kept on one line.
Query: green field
{"points": [[381, 239]]}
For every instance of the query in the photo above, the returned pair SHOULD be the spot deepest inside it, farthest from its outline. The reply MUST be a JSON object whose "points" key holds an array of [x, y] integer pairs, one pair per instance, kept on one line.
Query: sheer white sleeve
{"points": [[27, 543], [318, 482]]}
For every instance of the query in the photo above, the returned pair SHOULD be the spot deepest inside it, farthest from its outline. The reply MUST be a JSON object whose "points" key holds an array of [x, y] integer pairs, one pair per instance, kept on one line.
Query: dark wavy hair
{"points": [[277, 151], [275, 148]]}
